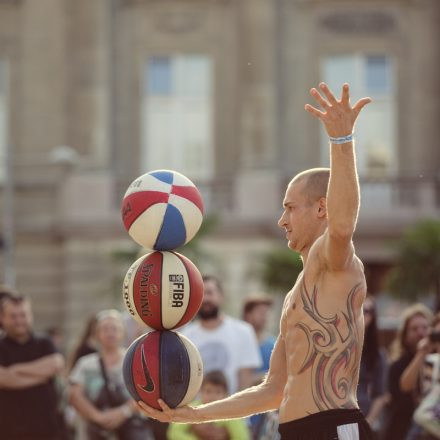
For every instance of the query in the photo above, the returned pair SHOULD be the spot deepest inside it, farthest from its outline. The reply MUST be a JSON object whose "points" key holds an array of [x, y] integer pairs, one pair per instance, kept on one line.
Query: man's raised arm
{"points": [[338, 117], [261, 398]]}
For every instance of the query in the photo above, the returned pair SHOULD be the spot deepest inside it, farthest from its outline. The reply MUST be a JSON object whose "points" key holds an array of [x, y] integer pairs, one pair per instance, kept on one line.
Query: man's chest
{"points": [[11, 353], [319, 315]]}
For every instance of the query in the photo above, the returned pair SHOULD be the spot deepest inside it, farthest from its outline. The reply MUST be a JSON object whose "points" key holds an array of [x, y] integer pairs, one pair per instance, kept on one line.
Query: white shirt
{"points": [[230, 347]]}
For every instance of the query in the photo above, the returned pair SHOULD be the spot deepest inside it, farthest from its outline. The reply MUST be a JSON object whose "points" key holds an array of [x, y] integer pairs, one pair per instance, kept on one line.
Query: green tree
{"points": [[280, 269], [417, 269]]}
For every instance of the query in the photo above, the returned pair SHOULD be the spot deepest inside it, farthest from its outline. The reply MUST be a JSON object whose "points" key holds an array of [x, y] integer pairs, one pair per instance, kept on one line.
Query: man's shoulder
{"points": [[269, 341], [41, 337], [317, 258], [42, 342], [238, 324], [190, 327], [196, 332]]}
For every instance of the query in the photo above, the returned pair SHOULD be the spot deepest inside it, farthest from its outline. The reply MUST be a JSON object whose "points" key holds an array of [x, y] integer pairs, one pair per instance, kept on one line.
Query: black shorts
{"points": [[335, 424]]}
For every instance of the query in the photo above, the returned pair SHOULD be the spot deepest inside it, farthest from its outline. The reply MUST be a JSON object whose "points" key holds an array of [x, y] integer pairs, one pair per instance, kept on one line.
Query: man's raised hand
{"points": [[338, 116]]}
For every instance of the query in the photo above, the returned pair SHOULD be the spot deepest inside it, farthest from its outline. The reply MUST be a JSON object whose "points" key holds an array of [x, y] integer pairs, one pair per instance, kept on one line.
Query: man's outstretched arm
{"points": [[339, 117], [261, 398]]}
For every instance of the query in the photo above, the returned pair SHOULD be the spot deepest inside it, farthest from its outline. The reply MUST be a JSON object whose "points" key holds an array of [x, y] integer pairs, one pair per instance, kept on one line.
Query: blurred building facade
{"points": [[95, 93]]}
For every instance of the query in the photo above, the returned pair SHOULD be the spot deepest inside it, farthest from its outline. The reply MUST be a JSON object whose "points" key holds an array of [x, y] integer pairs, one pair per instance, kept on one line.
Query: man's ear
{"points": [[322, 207]]}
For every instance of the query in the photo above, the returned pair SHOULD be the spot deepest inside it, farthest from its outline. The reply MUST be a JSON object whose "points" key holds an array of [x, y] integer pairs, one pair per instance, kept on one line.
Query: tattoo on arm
{"points": [[332, 358]]}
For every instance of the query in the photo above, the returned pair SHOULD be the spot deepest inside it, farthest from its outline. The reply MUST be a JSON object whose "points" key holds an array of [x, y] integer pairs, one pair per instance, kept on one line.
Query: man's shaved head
{"points": [[315, 183]]}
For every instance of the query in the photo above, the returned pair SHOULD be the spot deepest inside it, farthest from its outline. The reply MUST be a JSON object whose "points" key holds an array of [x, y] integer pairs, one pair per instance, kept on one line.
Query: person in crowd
{"points": [[225, 343], [256, 310], [86, 343], [133, 328], [56, 334], [414, 328], [97, 388], [29, 365], [418, 377], [371, 391], [4, 292], [214, 387]]}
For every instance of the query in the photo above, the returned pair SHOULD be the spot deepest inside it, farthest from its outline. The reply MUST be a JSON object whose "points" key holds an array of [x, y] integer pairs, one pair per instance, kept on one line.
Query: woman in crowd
{"points": [[414, 328], [97, 389], [422, 373]]}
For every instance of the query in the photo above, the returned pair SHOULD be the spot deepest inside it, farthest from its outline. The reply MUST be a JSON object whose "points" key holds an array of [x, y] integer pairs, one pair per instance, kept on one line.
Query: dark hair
{"points": [[400, 346], [436, 320], [217, 378], [315, 183], [253, 301], [12, 297], [215, 280], [370, 350], [82, 346], [5, 292]]}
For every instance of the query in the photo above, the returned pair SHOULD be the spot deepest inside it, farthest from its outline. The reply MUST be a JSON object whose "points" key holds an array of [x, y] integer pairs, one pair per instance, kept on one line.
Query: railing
{"points": [[410, 195]]}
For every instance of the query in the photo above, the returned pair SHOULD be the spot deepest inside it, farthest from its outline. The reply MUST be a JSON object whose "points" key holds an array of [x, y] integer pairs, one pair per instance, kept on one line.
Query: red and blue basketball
{"points": [[163, 290], [162, 210], [163, 364]]}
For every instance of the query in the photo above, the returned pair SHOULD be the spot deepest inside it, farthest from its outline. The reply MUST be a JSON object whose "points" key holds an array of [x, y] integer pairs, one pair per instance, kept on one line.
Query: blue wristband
{"points": [[342, 139]]}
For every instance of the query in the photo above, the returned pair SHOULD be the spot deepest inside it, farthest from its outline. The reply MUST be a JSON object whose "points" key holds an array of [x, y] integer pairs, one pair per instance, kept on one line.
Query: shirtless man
{"points": [[314, 366]]}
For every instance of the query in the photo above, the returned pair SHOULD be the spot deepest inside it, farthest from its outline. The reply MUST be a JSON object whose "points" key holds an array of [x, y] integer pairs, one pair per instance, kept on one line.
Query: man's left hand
{"points": [[338, 116]]}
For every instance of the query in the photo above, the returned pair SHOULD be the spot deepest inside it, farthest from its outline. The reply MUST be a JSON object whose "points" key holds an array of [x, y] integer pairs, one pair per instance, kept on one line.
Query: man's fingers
{"points": [[163, 405], [151, 412], [145, 408], [314, 111], [361, 104], [345, 98], [328, 94], [321, 101]]}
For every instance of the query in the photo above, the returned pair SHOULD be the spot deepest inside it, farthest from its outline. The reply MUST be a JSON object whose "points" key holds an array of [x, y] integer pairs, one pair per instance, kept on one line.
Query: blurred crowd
{"points": [[46, 393]]}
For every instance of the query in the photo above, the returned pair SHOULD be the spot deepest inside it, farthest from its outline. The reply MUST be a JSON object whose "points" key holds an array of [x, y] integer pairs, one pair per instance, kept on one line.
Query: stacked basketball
{"points": [[162, 210]]}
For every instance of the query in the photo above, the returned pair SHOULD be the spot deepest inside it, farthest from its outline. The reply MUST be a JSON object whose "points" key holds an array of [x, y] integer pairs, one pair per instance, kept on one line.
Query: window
{"points": [[3, 125], [368, 75], [177, 115]]}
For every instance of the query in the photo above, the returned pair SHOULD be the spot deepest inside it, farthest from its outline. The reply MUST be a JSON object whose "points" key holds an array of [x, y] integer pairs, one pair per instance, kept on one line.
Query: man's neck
{"points": [[260, 334], [20, 339], [305, 251], [211, 324]]}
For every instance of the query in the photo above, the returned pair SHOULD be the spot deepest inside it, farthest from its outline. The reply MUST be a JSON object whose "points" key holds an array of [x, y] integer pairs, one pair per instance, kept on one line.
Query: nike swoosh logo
{"points": [[149, 387]]}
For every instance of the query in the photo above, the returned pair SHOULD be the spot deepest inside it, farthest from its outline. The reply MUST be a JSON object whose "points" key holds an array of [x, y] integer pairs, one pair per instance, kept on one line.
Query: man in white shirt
{"points": [[225, 343]]}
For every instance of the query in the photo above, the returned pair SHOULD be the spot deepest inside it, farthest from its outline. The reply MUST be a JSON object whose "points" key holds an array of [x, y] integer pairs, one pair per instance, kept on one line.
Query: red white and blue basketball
{"points": [[163, 290], [162, 210], [163, 364]]}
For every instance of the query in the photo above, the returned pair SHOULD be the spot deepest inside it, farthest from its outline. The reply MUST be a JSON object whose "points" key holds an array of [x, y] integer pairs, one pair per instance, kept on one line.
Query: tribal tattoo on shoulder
{"points": [[332, 358]]}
